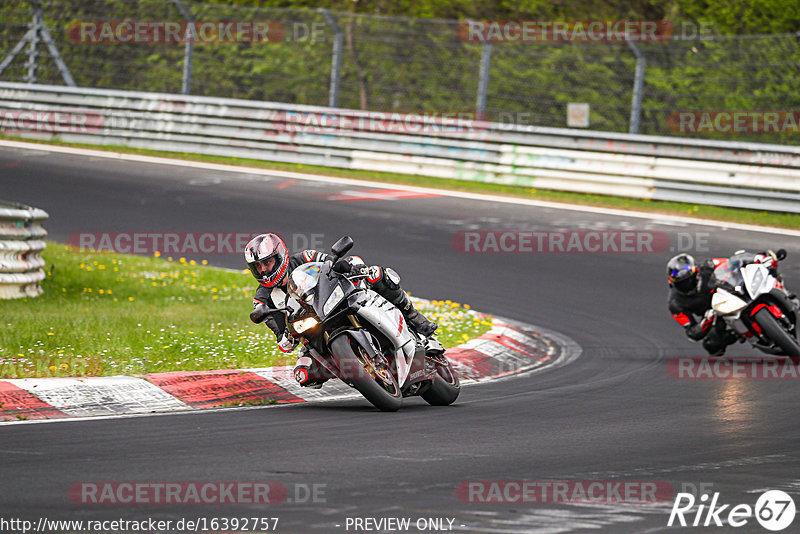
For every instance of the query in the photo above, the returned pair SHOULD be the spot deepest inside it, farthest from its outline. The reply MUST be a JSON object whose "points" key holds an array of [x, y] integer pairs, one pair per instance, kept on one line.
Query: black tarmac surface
{"points": [[614, 414]]}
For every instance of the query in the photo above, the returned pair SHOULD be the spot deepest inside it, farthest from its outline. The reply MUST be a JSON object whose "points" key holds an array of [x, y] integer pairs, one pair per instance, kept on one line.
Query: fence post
{"points": [[336, 57], [188, 51], [33, 47], [483, 80], [638, 87], [37, 31]]}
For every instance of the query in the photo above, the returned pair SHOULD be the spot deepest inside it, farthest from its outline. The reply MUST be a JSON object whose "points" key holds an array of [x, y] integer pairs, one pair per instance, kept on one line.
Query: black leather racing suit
{"points": [[384, 283], [689, 311]]}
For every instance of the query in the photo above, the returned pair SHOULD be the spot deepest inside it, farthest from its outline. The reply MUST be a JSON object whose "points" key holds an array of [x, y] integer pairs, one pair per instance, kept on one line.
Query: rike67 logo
{"points": [[774, 510]]}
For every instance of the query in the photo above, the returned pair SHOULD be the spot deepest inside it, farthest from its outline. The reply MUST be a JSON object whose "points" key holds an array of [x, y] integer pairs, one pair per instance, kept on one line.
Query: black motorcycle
{"points": [[361, 338]]}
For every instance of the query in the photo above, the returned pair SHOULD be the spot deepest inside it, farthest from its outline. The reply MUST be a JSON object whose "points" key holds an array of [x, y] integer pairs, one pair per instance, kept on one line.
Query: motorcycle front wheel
{"points": [[775, 333], [378, 386]]}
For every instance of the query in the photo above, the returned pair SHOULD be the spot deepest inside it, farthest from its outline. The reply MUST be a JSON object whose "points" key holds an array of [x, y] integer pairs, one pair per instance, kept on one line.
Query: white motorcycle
{"points": [[756, 306], [361, 338]]}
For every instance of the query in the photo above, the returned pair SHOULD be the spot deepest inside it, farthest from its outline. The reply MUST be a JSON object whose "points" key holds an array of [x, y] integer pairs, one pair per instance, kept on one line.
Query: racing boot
{"points": [[306, 373], [386, 283], [417, 321]]}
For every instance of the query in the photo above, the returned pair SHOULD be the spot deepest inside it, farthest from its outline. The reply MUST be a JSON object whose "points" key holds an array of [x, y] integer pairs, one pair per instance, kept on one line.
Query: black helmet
{"points": [[267, 258], [683, 274]]}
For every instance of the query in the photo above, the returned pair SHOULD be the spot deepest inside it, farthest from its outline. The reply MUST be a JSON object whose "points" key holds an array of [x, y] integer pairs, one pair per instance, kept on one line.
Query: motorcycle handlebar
{"points": [[260, 312]]}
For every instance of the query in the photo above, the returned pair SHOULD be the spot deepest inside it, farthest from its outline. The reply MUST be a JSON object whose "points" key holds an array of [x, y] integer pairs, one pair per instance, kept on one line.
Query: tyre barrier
{"points": [[21, 242]]}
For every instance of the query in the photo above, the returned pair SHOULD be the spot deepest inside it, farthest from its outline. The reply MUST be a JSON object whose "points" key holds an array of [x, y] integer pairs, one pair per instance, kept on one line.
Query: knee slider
{"points": [[391, 278]]}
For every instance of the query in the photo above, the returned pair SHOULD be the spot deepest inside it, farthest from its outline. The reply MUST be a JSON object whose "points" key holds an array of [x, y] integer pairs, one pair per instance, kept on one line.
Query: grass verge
{"points": [[744, 216], [105, 314]]}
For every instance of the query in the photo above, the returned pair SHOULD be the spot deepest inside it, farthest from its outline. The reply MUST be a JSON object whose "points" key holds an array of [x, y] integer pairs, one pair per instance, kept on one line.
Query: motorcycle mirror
{"points": [[342, 266], [781, 254], [341, 247], [259, 313]]}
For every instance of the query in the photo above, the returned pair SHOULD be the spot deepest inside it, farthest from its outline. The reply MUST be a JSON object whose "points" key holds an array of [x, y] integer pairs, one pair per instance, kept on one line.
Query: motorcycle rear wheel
{"points": [[386, 396], [446, 386]]}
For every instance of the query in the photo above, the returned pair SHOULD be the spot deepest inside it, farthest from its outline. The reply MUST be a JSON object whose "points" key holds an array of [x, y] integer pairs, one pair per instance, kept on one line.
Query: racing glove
{"points": [[698, 331], [286, 341], [351, 266], [708, 320], [768, 259]]}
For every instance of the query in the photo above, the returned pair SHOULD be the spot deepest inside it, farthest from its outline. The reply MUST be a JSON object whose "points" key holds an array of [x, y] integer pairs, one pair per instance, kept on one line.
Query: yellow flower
{"points": [[157, 254], [169, 258], [182, 260], [466, 306], [50, 334], [130, 298], [100, 291], [205, 262], [53, 368], [108, 291], [192, 262]]}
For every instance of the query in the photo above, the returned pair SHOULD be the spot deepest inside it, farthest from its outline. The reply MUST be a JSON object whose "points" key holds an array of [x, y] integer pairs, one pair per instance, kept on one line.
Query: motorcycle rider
{"points": [[270, 263], [691, 287]]}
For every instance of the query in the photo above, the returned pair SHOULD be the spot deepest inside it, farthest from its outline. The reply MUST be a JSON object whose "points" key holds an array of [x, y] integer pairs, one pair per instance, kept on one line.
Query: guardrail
{"points": [[747, 175], [21, 241]]}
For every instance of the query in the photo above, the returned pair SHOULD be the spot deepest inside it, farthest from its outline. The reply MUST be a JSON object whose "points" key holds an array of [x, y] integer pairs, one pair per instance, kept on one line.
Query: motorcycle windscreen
{"points": [[304, 279]]}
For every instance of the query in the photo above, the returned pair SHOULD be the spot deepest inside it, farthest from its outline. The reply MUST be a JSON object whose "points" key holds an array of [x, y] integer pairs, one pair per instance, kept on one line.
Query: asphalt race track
{"points": [[614, 414]]}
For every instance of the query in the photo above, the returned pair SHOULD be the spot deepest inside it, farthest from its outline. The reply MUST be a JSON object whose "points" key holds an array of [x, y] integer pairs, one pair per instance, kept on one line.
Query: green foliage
{"points": [[394, 63]]}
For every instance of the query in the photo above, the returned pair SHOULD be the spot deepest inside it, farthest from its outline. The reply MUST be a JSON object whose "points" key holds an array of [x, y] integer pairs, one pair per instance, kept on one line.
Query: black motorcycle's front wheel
{"points": [[374, 382], [445, 387], [775, 333]]}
